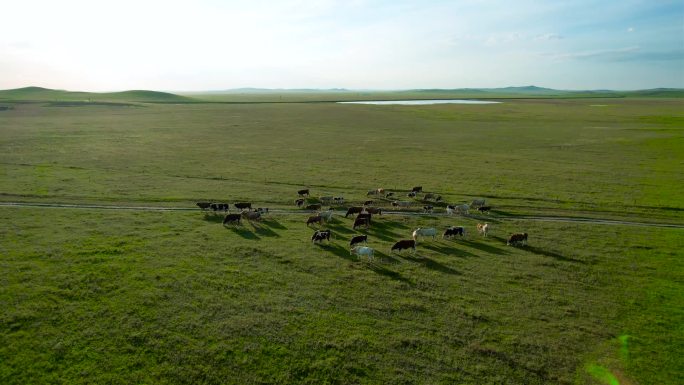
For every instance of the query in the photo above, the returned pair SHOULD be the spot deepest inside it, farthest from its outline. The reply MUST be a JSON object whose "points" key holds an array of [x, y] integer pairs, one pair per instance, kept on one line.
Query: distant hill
{"points": [[47, 94]]}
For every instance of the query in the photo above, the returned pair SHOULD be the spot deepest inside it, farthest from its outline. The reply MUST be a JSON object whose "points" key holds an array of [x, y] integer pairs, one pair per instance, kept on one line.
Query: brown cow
{"points": [[483, 228], [365, 214], [232, 218], [404, 244], [316, 206], [314, 219], [517, 238], [374, 210], [252, 215], [363, 221], [353, 210], [299, 202]]}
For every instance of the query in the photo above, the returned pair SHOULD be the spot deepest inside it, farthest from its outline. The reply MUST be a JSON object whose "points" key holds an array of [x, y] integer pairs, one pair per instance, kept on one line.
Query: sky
{"points": [[170, 45]]}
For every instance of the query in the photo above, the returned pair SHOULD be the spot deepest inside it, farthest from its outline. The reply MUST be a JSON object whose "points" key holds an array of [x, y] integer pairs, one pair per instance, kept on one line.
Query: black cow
{"points": [[365, 214], [232, 218], [299, 202], [243, 205], [412, 194], [404, 244], [358, 239], [453, 231], [304, 192], [316, 206], [320, 235], [363, 221], [428, 209], [353, 210], [417, 189], [518, 238], [484, 209], [389, 194], [203, 205]]}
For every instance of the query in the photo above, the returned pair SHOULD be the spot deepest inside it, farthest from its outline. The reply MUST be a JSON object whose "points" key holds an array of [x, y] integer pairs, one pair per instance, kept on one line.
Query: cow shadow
{"points": [[485, 247], [213, 218], [338, 228], [448, 250], [373, 266], [273, 223], [432, 264], [551, 254], [264, 230], [244, 232]]}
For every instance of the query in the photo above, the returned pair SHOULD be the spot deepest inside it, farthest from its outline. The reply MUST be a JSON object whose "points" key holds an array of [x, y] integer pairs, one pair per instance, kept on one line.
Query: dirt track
{"points": [[597, 221]]}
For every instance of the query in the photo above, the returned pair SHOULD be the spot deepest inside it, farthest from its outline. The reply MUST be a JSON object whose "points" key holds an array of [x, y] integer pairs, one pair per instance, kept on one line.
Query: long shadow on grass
{"points": [[260, 229], [447, 250], [270, 222], [243, 231], [213, 218], [432, 264], [485, 247], [551, 254], [344, 253]]}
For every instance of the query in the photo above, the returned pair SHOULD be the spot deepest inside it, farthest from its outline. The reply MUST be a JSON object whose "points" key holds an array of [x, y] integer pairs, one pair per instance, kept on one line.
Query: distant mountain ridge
{"points": [[47, 94]]}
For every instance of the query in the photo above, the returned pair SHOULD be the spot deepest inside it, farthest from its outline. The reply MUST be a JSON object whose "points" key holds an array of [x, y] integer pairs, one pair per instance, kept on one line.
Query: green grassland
{"points": [[109, 296]]}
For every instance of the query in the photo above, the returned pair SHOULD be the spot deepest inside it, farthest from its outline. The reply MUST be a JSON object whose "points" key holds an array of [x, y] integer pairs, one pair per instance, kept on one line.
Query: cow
{"points": [[417, 189], [299, 202], [314, 219], [304, 192], [338, 200], [483, 228], [262, 210], [517, 238], [429, 196], [377, 191], [251, 215], [412, 194], [374, 210], [243, 205], [316, 206], [389, 194], [353, 210], [477, 203], [326, 215], [367, 203], [461, 209], [428, 209], [484, 209], [320, 235], [362, 250], [401, 204], [364, 214], [358, 239], [454, 231], [232, 218], [214, 207], [363, 221], [203, 205], [404, 244], [326, 200], [438, 198], [425, 232]]}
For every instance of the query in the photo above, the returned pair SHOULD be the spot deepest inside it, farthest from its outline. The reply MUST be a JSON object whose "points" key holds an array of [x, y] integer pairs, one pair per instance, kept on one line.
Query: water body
{"points": [[413, 102]]}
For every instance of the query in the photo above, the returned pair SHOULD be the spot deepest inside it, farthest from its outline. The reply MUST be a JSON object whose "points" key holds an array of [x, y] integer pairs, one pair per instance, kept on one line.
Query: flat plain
{"points": [[125, 296]]}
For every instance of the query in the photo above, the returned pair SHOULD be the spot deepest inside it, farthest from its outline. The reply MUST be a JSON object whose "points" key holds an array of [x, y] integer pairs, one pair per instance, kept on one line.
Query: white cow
{"points": [[362, 250], [483, 228], [425, 232], [401, 204], [326, 215]]}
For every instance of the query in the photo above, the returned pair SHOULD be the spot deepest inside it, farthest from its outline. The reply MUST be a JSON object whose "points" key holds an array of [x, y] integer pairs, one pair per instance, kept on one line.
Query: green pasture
{"points": [[111, 296]]}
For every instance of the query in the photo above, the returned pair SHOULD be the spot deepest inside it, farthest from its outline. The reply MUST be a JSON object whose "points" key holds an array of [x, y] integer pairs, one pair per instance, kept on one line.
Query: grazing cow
{"points": [[304, 192], [203, 205], [424, 232], [320, 235], [483, 228], [214, 207], [326, 215], [316, 206], [362, 250], [417, 189], [243, 205], [374, 210], [365, 214], [314, 219], [460, 209], [517, 238], [326, 200], [428, 196], [454, 231], [232, 218], [438, 198], [353, 210], [412, 194], [367, 203], [428, 209], [338, 200], [358, 239], [363, 221], [389, 194], [484, 209], [477, 203], [404, 244], [401, 204], [262, 210], [299, 202], [377, 191], [251, 215]]}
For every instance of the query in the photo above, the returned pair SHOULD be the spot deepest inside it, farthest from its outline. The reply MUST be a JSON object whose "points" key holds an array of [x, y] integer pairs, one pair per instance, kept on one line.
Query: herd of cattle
{"points": [[363, 218]]}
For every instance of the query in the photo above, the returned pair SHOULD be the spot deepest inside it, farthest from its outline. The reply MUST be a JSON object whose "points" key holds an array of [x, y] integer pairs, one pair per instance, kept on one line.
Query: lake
{"points": [[412, 102]]}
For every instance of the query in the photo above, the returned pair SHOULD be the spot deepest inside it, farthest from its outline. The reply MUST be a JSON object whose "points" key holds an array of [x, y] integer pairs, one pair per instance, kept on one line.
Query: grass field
{"points": [[93, 296]]}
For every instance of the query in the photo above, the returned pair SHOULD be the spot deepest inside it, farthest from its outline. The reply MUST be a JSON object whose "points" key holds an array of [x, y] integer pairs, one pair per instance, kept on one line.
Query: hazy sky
{"points": [[212, 44]]}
